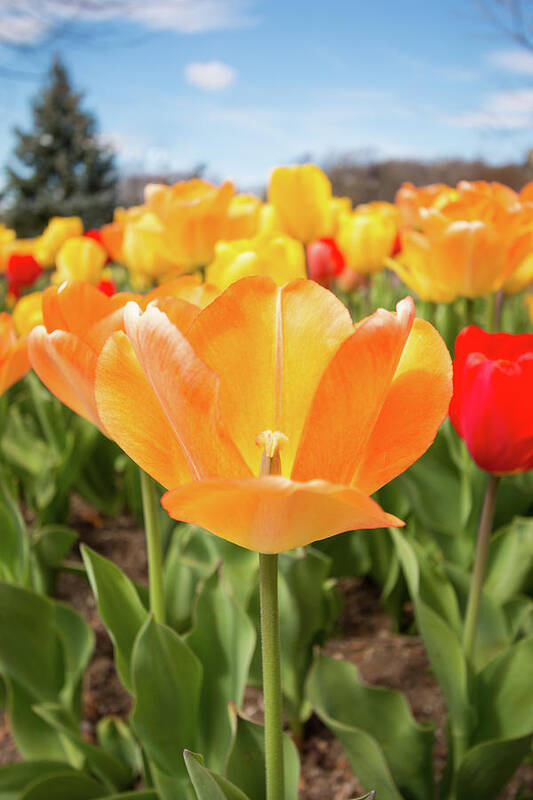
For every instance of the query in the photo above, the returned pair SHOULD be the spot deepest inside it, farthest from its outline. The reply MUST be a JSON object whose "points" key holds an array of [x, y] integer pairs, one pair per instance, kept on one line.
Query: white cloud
{"points": [[506, 110], [26, 22], [210, 75], [519, 61]]}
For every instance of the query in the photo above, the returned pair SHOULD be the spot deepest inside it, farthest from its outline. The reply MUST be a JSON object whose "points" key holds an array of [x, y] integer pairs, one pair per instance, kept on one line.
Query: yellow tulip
{"points": [[193, 214], [366, 236], [339, 207], [58, 231], [269, 221], [28, 313], [275, 255], [145, 252], [80, 258], [6, 237], [301, 196], [242, 221]]}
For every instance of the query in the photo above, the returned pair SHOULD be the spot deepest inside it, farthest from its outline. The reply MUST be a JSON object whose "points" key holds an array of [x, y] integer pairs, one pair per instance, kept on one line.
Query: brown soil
{"points": [[364, 637]]}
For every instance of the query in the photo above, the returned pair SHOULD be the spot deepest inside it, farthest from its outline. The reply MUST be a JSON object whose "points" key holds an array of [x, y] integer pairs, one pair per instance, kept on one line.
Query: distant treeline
{"points": [[379, 180], [363, 180]]}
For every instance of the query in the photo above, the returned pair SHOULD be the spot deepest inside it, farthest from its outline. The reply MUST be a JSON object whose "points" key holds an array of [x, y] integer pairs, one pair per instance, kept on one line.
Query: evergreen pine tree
{"points": [[64, 170]]}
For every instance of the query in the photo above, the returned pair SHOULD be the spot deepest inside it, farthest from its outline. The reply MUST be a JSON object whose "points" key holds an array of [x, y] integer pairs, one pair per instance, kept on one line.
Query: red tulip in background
{"points": [[107, 286], [96, 235], [491, 408], [22, 270], [325, 261]]}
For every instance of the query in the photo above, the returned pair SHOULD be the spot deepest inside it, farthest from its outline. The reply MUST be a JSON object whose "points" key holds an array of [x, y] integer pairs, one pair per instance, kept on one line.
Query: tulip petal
{"points": [[133, 416], [75, 306], [415, 407], [269, 346], [187, 390], [272, 514], [14, 365], [66, 365], [351, 395]]}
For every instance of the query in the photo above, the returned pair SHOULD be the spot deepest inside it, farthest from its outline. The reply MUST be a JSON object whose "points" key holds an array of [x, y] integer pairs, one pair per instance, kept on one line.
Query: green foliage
{"points": [[64, 170]]}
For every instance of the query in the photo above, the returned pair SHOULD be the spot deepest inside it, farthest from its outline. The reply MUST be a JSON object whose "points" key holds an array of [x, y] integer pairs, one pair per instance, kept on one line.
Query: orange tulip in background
{"points": [[78, 318], [337, 410], [462, 243], [14, 362]]}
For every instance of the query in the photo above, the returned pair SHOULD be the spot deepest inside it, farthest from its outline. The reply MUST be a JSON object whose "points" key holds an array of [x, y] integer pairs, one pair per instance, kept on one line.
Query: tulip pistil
{"points": [[271, 442]]}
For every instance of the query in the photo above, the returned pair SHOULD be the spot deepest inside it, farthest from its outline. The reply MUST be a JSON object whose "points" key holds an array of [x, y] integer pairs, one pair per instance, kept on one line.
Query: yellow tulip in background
{"points": [[242, 221], [193, 214], [7, 236], [28, 313], [301, 196], [58, 231], [366, 236], [274, 255], [144, 250], [80, 258]]}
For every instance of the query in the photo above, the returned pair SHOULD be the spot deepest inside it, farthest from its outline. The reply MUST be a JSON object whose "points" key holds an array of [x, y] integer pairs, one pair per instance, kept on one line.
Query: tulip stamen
{"points": [[271, 442]]}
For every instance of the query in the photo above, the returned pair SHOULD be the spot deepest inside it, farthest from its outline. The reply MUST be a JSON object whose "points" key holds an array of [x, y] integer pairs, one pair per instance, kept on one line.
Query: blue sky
{"points": [[242, 85]]}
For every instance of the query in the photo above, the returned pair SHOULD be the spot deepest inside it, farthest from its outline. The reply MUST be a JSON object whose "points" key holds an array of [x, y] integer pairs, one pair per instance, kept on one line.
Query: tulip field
{"points": [[266, 497]]}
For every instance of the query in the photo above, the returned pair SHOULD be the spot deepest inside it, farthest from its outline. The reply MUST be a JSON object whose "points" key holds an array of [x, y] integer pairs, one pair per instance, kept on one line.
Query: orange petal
{"points": [[66, 365], [416, 405], [269, 347], [187, 391], [186, 287], [273, 514], [74, 306], [180, 312], [350, 396], [132, 415], [14, 365]]}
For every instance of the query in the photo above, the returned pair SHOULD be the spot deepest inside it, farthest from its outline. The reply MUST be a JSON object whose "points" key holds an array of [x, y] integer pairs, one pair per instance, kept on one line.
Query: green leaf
{"points": [[29, 648], [13, 543], [77, 639], [115, 737], [246, 761], [504, 696], [53, 543], [389, 751], [34, 737], [223, 638], [119, 607], [15, 777], [64, 786], [167, 679], [190, 558], [207, 785], [510, 561], [109, 769], [487, 768]]}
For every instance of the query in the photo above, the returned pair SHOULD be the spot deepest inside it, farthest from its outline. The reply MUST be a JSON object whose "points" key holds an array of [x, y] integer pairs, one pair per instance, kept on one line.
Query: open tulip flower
{"points": [[275, 255], [461, 248], [271, 418], [14, 362], [78, 319], [301, 196], [493, 391]]}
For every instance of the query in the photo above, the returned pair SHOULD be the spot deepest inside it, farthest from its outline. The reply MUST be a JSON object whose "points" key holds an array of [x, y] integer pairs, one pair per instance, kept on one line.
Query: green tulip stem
{"points": [[480, 566], [270, 648], [469, 311], [153, 546]]}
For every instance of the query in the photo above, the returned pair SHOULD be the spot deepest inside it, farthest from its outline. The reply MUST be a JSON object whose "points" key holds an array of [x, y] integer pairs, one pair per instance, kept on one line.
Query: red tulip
{"points": [[325, 260], [107, 286], [23, 269], [96, 235], [491, 404]]}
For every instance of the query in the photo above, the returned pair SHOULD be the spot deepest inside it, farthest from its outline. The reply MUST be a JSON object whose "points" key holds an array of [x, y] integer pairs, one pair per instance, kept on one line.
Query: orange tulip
{"points": [[280, 381], [193, 215], [461, 249], [14, 362], [78, 319], [411, 200]]}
